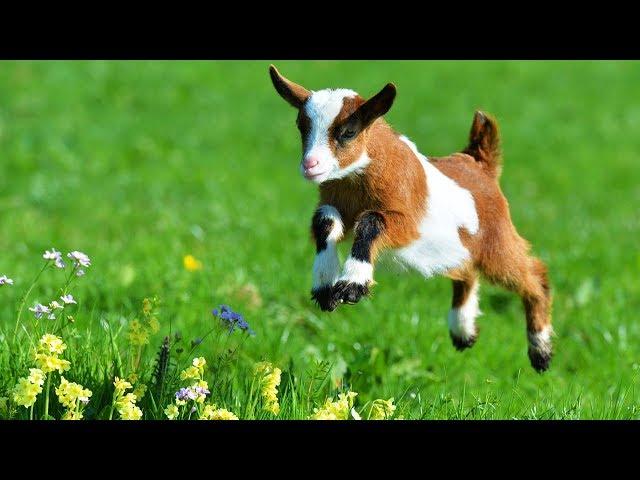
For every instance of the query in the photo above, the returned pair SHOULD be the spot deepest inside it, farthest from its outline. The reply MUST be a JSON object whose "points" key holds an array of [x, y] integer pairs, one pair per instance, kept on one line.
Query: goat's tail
{"points": [[484, 143]]}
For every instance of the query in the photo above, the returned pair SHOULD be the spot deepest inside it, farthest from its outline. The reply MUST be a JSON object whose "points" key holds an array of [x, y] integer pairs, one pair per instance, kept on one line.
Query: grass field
{"points": [[138, 164]]}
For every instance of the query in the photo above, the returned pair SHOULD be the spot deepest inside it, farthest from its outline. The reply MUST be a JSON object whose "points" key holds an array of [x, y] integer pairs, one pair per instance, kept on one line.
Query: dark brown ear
{"points": [[292, 92], [376, 106]]}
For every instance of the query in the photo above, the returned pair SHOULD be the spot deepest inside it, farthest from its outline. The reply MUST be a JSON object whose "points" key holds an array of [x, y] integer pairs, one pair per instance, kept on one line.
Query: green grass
{"points": [[140, 163]]}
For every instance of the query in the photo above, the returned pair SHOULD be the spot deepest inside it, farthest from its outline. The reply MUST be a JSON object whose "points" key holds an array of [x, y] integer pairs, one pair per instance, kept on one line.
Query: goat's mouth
{"points": [[313, 175]]}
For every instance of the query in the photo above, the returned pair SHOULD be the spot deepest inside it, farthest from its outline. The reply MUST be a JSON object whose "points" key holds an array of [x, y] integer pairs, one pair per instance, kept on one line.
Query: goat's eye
{"points": [[347, 134]]}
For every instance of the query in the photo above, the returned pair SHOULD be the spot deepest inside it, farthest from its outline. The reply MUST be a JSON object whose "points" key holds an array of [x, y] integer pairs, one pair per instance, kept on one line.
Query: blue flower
{"points": [[231, 319]]}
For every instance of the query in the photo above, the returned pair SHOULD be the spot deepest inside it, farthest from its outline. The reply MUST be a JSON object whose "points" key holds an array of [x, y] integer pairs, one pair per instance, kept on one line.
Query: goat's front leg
{"points": [[357, 275], [327, 230]]}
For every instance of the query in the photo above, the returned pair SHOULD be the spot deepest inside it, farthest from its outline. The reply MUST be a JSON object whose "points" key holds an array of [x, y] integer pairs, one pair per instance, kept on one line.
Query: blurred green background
{"points": [[140, 163]]}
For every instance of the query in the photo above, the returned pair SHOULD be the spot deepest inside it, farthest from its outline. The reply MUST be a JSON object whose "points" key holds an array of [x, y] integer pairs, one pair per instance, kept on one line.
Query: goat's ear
{"points": [[376, 106], [292, 92]]}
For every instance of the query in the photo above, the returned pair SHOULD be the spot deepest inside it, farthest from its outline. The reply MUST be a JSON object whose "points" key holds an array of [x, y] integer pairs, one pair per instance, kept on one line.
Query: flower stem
{"points": [[31, 412], [23, 302], [46, 398]]}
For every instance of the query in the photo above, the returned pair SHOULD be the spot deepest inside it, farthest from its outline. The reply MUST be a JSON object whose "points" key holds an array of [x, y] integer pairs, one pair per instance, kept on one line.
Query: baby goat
{"points": [[443, 216]]}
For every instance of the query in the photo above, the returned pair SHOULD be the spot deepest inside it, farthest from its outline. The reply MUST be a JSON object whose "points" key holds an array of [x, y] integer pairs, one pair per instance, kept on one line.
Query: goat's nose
{"points": [[310, 162]]}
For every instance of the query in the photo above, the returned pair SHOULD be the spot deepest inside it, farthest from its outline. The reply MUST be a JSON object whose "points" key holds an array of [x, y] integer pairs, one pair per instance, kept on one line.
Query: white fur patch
{"points": [[326, 266], [356, 167], [541, 341], [322, 108], [462, 320], [449, 207], [357, 271], [337, 229]]}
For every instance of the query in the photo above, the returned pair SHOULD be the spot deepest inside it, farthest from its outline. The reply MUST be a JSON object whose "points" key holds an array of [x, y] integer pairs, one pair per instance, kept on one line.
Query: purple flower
{"points": [[4, 280], [55, 256], [202, 391], [39, 309], [186, 394], [68, 299], [231, 319], [79, 258]]}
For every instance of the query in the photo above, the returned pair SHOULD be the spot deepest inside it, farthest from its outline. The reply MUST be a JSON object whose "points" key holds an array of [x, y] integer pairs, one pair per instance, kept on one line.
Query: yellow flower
{"points": [[140, 391], [172, 412], [133, 378], [130, 412], [199, 363], [147, 305], [190, 372], [202, 384], [121, 385], [50, 363], [70, 393], [129, 398], [191, 263], [125, 403], [138, 334], [154, 325], [382, 409], [36, 376], [25, 392], [338, 410], [270, 377], [72, 415], [212, 412], [51, 344]]}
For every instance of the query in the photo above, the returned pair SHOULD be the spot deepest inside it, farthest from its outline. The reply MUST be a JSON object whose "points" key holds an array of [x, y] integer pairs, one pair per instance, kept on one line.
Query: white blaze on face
{"points": [[322, 108]]}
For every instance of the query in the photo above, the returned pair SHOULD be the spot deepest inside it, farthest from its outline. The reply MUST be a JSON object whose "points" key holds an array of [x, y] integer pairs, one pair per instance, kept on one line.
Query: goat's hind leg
{"points": [[463, 313], [536, 299], [527, 275]]}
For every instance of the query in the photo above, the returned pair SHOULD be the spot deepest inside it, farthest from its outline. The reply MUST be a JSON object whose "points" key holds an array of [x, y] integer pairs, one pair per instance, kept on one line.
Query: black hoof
{"points": [[540, 360], [323, 296], [463, 343], [346, 292]]}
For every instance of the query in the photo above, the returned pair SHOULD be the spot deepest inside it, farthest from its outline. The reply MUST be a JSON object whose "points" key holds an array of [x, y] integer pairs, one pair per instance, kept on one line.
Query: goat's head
{"points": [[333, 125]]}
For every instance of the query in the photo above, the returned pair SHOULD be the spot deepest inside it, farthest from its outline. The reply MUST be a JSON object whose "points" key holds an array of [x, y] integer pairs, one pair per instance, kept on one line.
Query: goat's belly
{"points": [[449, 207], [435, 253]]}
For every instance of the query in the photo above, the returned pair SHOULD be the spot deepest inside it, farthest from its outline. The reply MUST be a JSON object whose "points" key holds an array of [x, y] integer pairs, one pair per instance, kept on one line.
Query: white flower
{"points": [[79, 258], [39, 309], [54, 255], [67, 299], [55, 305], [51, 316], [51, 255], [4, 280], [80, 272]]}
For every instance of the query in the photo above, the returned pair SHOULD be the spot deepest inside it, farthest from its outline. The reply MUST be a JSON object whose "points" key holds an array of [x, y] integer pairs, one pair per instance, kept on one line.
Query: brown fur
{"points": [[484, 143], [394, 185]]}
